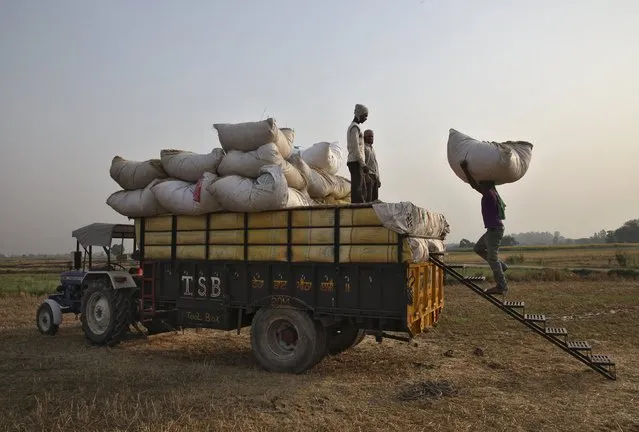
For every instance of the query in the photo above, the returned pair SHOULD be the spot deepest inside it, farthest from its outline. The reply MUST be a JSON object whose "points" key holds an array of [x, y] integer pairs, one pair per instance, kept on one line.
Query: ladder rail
{"points": [[520, 317]]}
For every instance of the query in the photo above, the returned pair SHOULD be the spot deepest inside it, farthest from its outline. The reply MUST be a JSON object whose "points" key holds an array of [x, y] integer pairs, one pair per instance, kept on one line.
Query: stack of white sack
{"points": [[505, 162], [310, 175], [250, 146], [254, 170], [136, 178], [165, 185]]}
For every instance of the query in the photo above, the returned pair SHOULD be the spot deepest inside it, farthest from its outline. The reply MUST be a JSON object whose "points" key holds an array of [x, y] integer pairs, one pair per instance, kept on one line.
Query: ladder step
{"points": [[535, 317], [601, 359], [556, 331], [579, 346], [475, 278], [514, 304]]}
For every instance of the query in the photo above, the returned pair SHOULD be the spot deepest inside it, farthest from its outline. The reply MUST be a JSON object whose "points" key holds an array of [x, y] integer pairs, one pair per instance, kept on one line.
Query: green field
{"points": [[32, 283]]}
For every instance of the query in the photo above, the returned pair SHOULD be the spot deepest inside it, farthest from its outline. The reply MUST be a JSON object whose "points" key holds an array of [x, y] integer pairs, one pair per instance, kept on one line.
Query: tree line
{"points": [[626, 233]]}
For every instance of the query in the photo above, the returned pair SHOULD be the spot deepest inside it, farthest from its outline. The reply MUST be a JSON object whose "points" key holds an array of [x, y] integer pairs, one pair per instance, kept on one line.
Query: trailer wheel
{"points": [[105, 313], [343, 337], [321, 347], [44, 320], [285, 340], [361, 334]]}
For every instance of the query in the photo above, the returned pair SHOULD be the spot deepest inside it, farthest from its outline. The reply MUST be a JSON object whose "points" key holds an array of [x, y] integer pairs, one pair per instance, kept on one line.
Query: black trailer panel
{"points": [[357, 288]]}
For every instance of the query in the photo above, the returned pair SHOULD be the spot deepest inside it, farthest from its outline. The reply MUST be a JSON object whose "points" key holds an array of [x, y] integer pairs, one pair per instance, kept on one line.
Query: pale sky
{"points": [[83, 81]]}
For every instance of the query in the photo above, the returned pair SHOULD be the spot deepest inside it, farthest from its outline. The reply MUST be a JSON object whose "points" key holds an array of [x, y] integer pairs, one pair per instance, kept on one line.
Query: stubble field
{"points": [[492, 373]]}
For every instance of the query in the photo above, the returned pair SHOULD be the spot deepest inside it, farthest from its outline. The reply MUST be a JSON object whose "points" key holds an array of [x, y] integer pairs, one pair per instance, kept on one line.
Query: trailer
{"points": [[309, 281]]}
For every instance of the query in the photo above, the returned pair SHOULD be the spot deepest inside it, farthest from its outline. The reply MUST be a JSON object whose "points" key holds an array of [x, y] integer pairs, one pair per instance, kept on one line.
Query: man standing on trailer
{"points": [[372, 178], [356, 161], [493, 212]]}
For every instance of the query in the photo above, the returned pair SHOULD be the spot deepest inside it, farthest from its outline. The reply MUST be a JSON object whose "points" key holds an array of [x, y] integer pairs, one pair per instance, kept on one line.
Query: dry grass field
{"points": [[209, 381], [590, 256]]}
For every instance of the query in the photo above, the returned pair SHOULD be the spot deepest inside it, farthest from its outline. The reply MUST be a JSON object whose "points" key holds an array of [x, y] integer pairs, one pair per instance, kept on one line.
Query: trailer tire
{"points": [[321, 347], [361, 334], [105, 313], [285, 340], [343, 337]]}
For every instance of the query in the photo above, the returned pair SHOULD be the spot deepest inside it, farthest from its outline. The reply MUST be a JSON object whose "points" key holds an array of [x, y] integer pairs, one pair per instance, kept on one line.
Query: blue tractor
{"points": [[85, 272]]}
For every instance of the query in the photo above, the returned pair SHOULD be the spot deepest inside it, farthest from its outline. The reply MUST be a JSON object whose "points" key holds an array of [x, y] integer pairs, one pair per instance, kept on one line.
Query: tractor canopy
{"points": [[101, 234]]}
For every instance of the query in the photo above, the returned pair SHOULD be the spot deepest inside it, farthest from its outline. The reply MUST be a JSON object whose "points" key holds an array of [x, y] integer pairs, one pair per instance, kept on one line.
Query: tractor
{"points": [[85, 273]]}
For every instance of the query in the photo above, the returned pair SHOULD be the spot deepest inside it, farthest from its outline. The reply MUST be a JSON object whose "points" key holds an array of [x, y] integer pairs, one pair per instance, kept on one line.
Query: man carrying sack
{"points": [[356, 161], [493, 213]]}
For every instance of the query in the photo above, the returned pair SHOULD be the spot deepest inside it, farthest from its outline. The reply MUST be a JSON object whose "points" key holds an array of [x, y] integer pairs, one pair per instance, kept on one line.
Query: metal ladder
{"points": [[147, 299], [581, 350]]}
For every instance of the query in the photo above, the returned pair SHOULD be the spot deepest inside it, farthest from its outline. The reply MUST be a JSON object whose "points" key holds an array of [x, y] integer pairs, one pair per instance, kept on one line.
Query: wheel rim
{"points": [[282, 338], [44, 320], [98, 313]]}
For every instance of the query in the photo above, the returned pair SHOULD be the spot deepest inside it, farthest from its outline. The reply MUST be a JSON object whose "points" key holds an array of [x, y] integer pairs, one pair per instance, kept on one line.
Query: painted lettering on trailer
{"points": [[280, 301], [347, 283], [202, 317], [212, 285], [302, 285], [257, 282], [328, 285], [279, 283]]}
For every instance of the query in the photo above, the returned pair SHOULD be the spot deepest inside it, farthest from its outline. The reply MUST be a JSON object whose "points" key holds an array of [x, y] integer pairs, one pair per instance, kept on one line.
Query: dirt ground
{"points": [[515, 381]]}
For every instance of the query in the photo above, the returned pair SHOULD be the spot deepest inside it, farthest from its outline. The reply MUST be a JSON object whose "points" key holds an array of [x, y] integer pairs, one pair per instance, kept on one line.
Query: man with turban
{"points": [[356, 161], [372, 178]]}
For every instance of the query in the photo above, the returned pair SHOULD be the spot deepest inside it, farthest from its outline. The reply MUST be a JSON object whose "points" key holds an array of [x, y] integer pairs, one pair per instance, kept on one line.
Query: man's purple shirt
{"points": [[490, 209]]}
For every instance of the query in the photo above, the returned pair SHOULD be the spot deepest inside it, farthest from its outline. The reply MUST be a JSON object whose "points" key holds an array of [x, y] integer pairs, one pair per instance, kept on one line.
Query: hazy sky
{"points": [[82, 81]]}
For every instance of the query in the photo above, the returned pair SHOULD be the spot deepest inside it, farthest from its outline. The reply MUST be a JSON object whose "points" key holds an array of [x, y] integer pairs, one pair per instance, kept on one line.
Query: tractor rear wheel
{"points": [[44, 320], [286, 340], [105, 313]]}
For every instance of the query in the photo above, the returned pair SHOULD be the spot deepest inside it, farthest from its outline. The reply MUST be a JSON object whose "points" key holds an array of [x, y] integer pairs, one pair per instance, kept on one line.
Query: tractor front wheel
{"points": [[44, 320], [105, 313]]}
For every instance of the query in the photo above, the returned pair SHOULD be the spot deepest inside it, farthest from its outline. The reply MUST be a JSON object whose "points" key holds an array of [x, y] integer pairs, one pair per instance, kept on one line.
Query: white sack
{"points": [[240, 194], [418, 249], [325, 156], [249, 164], [133, 175], [293, 176], [208, 203], [136, 203], [342, 187], [289, 134], [500, 162], [184, 198], [406, 218], [436, 246], [250, 136], [320, 184], [176, 196], [298, 198], [189, 166], [317, 185]]}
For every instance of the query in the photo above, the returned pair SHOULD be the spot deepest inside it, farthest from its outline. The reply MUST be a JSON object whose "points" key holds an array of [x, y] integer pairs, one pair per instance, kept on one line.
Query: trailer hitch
{"points": [[379, 335]]}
